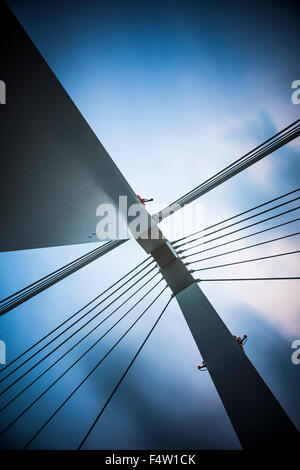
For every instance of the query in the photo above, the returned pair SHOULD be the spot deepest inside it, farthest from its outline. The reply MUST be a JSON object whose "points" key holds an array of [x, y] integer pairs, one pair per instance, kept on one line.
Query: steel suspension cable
{"points": [[92, 371], [243, 248], [236, 239], [74, 314], [275, 137], [203, 188], [40, 282], [244, 261], [66, 339], [53, 383], [89, 349], [251, 279], [35, 288], [48, 275], [123, 376], [239, 214], [243, 228], [233, 169], [235, 223]]}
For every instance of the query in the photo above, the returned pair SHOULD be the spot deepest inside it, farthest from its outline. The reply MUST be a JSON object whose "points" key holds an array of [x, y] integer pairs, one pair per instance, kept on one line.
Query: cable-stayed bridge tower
{"points": [[54, 160]]}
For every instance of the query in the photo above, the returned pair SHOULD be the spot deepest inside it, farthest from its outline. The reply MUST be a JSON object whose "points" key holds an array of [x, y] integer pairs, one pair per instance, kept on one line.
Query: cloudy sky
{"points": [[174, 91]]}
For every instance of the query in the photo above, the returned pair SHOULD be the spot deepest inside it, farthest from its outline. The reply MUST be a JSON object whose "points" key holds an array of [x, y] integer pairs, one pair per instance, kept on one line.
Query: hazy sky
{"points": [[175, 91]]}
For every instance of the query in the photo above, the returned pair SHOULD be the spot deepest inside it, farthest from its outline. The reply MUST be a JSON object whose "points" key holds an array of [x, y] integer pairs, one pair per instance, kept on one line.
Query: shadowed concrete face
{"points": [[55, 172]]}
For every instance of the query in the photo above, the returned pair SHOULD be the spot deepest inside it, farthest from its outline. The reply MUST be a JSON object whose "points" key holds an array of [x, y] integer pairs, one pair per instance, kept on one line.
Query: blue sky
{"points": [[174, 91]]}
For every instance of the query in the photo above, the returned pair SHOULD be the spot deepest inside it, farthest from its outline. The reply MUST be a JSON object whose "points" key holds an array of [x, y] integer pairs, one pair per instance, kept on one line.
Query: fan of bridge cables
{"points": [[28, 368], [142, 284], [222, 234], [278, 140]]}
